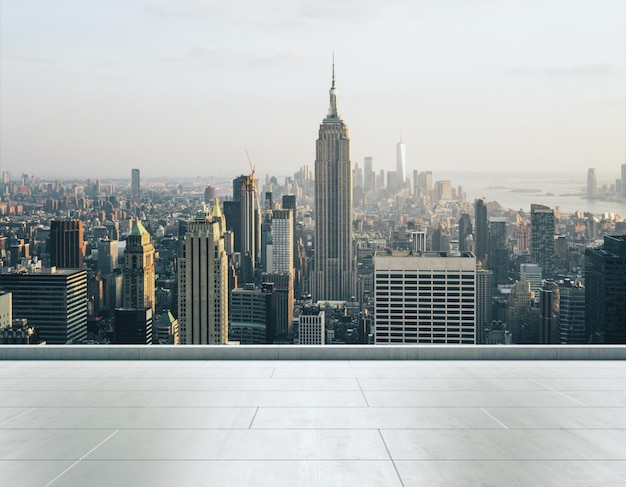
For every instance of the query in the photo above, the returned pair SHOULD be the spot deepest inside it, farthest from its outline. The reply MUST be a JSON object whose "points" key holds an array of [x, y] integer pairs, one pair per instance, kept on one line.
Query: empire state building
{"points": [[334, 274]]}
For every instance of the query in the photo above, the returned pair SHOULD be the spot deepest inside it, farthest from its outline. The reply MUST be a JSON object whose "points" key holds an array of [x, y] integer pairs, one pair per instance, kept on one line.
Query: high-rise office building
{"points": [[280, 259], [592, 183], [605, 286], [519, 300], [531, 273], [425, 298], [52, 300], [465, 230], [369, 175], [562, 313], [624, 180], [135, 185], [245, 192], [481, 229], [284, 285], [425, 181], [484, 303], [400, 164], [572, 313], [252, 313], [138, 270], [202, 283], [549, 313], [498, 253], [67, 245], [357, 177], [107, 256], [443, 190], [334, 274], [542, 238]]}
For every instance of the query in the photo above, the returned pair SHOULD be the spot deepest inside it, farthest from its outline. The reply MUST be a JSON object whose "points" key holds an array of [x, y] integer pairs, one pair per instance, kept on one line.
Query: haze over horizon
{"points": [[184, 88]]}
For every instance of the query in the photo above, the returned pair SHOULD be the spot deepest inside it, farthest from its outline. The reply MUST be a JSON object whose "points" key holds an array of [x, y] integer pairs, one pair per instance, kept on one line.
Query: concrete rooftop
{"points": [[312, 423]]}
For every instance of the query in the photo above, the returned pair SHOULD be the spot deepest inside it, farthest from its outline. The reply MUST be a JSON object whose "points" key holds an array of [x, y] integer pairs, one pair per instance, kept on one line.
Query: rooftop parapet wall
{"points": [[330, 352]]}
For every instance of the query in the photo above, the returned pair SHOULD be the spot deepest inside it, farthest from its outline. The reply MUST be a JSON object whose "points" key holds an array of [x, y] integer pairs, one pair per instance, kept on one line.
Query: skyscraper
{"points": [[592, 183], [465, 230], [400, 164], [252, 314], [135, 184], [138, 270], [498, 253], [244, 191], [369, 175], [542, 238], [484, 303], [107, 256], [280, 259], [67, 246], [605, 286], [203, 283], [53, 301], [334, 275], [481, 229]]}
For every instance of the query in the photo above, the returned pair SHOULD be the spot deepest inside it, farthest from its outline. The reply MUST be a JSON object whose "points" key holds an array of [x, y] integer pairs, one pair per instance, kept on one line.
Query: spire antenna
{"points": [[332, 112]]}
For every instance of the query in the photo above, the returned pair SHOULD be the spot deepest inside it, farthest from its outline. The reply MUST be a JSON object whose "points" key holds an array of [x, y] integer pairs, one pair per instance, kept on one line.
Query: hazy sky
{"points": [[93, 88]]}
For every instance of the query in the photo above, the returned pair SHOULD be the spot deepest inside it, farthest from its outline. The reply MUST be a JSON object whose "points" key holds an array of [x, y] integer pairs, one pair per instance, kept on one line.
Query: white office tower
{"points": [[282, 242], [203, 283], [312, 326], [400, 165], [425, 298]]}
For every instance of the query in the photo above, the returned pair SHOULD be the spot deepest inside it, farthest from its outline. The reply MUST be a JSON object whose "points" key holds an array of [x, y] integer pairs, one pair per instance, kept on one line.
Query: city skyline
{"points": [[181, 89]]}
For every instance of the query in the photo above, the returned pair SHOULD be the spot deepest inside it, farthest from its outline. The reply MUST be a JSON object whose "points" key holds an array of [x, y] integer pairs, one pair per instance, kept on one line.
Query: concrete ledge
{"points": [[330, 352]]}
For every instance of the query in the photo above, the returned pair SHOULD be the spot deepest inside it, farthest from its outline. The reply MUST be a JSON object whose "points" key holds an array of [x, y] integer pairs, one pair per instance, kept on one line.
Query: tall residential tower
{"points": [[333, 277]]}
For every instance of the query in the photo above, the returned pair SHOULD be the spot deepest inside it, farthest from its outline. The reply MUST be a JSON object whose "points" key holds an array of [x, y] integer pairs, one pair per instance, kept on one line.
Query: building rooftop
{"points": [[135, 418]]}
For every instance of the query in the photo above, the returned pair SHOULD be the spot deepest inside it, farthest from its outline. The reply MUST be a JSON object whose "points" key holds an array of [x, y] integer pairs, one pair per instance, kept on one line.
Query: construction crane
{"points": [[256, 192]]}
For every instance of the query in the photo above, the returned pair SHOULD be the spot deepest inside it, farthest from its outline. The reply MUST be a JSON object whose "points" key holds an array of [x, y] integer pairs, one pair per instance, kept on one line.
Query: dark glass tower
{"points": [[605, 291], [67, 246], [465, 229], [481, 229], [498, 253], [542, 238]]}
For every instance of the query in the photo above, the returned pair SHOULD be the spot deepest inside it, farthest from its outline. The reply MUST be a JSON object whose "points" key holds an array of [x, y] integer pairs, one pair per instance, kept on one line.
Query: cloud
{"points": [[581, 70], [170, 12], [205, 53], [30, 60], [389, 13], [280, 59]]}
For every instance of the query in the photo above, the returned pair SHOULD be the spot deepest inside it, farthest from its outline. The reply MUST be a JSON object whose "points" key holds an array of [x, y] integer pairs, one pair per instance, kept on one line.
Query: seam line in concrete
{"points": [[18, 416], [362, 392], [390, 458], [494, 418], [559, 392], [80, 459], [253, 418]]}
